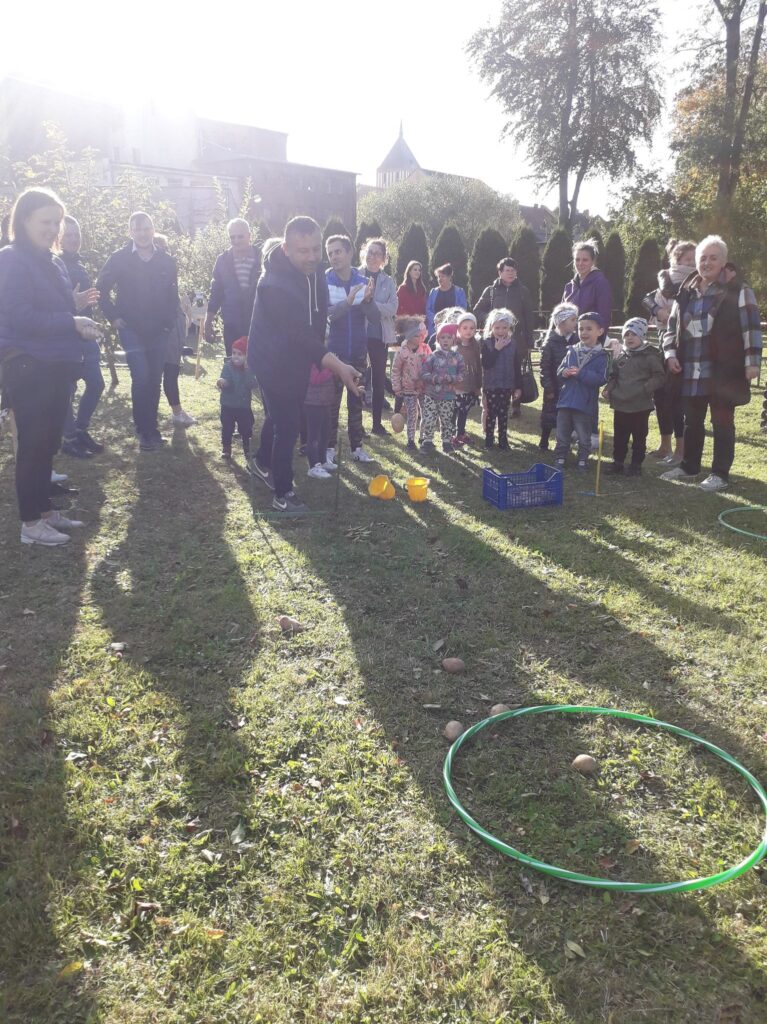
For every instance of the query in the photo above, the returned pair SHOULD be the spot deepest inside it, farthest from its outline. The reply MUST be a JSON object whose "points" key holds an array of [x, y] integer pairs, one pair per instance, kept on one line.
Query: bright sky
{"points": [[336, 77]]}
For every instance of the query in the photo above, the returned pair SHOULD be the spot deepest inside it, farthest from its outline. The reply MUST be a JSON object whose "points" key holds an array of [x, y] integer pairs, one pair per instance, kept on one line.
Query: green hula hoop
{"points": [[737, 529], [689, 885]]}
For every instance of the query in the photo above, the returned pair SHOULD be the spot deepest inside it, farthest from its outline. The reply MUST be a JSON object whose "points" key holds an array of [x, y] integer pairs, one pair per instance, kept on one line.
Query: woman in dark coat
{"points": [[40, 355]]}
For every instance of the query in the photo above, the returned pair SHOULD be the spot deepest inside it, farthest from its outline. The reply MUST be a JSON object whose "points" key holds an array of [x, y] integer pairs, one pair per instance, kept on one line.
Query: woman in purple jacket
{"points": [[589, 290], [41, 352]]}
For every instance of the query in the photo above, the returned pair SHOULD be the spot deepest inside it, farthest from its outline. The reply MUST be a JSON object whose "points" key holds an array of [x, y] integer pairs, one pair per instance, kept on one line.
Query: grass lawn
{"points": [[219, 823]]}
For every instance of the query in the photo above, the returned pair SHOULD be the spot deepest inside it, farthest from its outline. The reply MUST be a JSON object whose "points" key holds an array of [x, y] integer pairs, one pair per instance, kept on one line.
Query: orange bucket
{"points": [[378, 485], [388, 492], [417, 488]]}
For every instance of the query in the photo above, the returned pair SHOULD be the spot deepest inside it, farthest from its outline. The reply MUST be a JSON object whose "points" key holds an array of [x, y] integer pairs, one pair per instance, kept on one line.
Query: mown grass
{"points": [[221, 823]]}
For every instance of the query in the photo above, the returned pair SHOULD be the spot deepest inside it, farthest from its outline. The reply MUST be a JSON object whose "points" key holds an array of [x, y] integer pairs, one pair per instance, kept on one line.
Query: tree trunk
{"points": [[571, 53], [745, 103], [731, 18]]}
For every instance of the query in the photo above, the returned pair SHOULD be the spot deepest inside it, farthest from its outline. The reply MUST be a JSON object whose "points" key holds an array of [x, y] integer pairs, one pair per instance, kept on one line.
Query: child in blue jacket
{"points": [[582, 372]]}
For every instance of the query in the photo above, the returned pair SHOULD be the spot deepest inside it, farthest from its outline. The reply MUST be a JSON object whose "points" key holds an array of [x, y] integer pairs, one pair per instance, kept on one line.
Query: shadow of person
{"points": [[172, 589], [412, 584], [40, 857]]}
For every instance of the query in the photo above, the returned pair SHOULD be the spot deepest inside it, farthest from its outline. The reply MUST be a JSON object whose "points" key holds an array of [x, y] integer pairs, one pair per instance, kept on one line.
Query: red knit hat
{"points": [[241, 345]]}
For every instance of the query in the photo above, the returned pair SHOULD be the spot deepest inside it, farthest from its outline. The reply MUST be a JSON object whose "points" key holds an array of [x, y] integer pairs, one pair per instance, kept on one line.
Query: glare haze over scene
{"points": [[337, 85]]}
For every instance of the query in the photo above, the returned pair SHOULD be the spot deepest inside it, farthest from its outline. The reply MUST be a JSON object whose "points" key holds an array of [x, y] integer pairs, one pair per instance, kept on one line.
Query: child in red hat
{"points": [[236, 385]]}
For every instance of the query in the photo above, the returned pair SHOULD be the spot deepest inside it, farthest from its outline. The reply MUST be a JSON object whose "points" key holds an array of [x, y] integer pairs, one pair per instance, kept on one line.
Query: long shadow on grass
{"points": [[191, 635], [524, 641], [40, 858]]}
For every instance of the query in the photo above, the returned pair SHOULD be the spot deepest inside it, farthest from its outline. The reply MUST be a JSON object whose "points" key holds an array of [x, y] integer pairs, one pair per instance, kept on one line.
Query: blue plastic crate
{"points": [[540, 485]]}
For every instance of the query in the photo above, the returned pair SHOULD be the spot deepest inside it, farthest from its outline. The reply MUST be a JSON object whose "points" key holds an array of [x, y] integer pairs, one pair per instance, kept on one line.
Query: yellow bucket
{"points": [[388, 492], [378, 485], [417, 488]]}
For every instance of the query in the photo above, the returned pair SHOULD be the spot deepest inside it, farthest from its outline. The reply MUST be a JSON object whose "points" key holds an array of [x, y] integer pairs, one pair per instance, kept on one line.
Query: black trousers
{"points": [[318, 432], [38, 392], [632, 426], [279, 435], [723, 426], [378, 354], [670, 410], [170, 374], [240, 418]]}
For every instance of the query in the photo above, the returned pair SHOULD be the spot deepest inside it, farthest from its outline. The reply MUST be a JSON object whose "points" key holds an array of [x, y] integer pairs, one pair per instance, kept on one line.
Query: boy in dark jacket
{"points": [[635, 376], [582, 372], [564, 324], [236, 385]]}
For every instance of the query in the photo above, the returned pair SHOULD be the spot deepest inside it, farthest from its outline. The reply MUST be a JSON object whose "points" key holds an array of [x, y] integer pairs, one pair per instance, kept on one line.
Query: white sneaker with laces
{"points": [[318, 472], [60, 522], [677, 473], [41, 533], [183, 419], [58, 478], [713, 482], [331, 467], [360, 455]]}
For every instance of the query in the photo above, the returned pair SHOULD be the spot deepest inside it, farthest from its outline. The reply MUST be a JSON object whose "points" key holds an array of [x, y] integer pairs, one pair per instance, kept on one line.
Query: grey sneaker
{"points": [[677, 473], [289, 505], [261, 473], [714, 483]]}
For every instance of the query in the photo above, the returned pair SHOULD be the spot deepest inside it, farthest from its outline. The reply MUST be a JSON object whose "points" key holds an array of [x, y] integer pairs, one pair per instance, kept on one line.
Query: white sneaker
{"points": [[318, 472], [331, 467], [41, 533], [60, 522], [713, 483], [677, 473], [330, 456], [183, 419], [360, 455], [58, 478]]}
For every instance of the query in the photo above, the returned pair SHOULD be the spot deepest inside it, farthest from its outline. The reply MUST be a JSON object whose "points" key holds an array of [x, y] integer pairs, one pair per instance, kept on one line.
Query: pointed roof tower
{"points": [[400, 157]]}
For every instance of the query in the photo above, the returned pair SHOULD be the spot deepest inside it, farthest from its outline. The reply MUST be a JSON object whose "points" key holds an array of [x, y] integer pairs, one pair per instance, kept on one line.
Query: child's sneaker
{"points": [[411, 446], [360, 455], [427, 447], [464, 439], [226, 454], [318, 473], [448, 447], [489, 442], [582, 466], [503, 444]]}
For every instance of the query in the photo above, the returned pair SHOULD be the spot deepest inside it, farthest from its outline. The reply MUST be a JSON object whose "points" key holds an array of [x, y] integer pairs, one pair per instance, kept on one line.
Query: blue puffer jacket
{"points": [[501, 370], [347, 336], [582, 392], [36, 306]]}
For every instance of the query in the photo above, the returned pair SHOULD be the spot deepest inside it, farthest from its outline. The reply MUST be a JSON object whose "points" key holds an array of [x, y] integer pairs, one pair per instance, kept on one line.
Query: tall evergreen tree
{"points": [[557, 268], [413, 247], [367, 229], [489, 248], [593, 232], [524, 249], [644, 276], [449, 248], [613, 264], [262, 232]]}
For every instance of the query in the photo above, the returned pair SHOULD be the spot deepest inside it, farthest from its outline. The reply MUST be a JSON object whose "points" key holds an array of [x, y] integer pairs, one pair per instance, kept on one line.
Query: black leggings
{"points": [[38, 392], [463, 405], [497, 408], [378, 354], [170, 374]]}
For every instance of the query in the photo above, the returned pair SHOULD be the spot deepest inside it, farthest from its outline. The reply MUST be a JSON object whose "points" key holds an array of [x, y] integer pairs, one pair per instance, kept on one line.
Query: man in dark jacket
{"points": [[143, 312], [233, 288], [507, 292], [77, 440], [287, 335]]}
